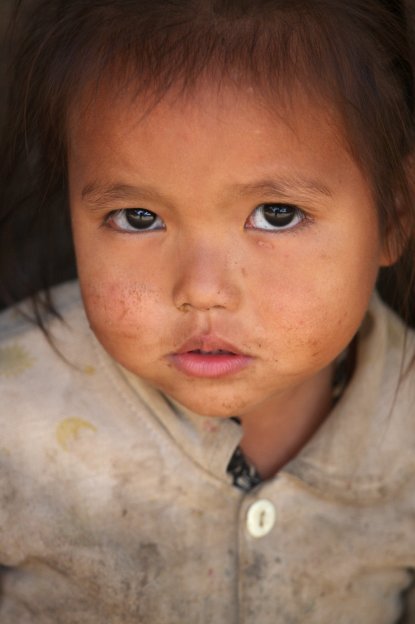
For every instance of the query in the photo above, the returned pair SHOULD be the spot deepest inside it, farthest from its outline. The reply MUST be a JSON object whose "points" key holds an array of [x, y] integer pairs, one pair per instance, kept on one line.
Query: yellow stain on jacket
{"points": [[89, 370], [71, 429], [14, 360]]}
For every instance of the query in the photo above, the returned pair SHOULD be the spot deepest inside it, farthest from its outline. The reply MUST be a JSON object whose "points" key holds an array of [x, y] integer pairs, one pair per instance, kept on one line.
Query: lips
{"points": [[209, 357]]}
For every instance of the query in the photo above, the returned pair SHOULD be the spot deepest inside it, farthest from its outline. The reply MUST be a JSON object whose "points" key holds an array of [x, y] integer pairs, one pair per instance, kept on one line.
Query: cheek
{"points": [[312, 305], [120, 286], [121, 310]]}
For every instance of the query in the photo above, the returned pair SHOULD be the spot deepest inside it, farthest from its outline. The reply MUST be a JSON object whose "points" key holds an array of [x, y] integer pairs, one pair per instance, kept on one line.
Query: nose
{"points": [[206, 278]]}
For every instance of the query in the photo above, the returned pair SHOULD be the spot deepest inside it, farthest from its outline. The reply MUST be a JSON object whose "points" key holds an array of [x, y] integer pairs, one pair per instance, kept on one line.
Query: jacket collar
{"points": [[364, 450]]}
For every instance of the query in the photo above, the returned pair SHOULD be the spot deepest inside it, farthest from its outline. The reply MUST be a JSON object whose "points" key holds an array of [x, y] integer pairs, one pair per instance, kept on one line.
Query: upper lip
{"points": [[207, 343]]}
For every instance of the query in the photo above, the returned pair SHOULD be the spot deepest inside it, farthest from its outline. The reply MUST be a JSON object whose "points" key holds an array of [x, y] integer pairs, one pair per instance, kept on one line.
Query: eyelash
{"points": [[283, 213]]}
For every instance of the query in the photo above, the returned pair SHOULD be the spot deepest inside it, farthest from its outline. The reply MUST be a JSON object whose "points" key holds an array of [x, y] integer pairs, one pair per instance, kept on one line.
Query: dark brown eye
{"points": [[139, 218], [274, 217], [279, 215], [135, 220]]}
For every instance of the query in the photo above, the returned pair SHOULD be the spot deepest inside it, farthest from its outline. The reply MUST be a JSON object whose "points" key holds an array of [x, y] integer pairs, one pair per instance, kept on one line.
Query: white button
{"points": [[260, 518]]}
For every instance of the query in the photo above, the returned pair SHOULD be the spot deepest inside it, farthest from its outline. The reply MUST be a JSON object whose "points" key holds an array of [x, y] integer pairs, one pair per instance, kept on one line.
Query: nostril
{"points": [[183, 307], [186, 307]]}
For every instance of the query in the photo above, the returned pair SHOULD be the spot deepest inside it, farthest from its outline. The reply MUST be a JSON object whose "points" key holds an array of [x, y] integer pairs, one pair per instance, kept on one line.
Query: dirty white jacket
{"points": [[115, 505]]}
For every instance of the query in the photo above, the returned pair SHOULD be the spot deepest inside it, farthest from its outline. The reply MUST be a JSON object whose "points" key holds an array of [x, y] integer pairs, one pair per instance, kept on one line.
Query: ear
{"points": [[397, 235]]}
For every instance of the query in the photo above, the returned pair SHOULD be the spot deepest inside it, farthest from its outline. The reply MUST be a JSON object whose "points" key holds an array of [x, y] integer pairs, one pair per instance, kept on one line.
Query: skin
{"points": [[291, 299]]}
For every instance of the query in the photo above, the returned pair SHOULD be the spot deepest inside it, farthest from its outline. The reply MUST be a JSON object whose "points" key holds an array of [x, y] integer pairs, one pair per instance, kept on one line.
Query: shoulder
{"points": [[65, 408], [72, 431], [41, 385], [394, 428], [42, 375], [365, 449], [396, 388], [62, 385], [27, 352]]}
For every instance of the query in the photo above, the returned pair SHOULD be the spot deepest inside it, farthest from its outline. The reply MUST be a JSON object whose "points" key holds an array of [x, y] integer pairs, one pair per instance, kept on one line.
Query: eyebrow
{"points": [[102, 195], [99, 195], [285, 187]]}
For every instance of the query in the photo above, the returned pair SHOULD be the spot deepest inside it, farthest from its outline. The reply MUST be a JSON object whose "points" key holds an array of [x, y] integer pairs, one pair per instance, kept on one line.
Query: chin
{"points": [[207, 406]]}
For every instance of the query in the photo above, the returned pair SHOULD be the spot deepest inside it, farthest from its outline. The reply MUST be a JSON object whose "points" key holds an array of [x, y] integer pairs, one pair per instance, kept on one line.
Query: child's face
{"points": [[283, 289]]}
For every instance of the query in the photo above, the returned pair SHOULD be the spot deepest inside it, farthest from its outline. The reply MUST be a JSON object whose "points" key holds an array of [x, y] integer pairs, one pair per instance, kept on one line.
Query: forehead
{"points": [[130, 104], [228, 135]]}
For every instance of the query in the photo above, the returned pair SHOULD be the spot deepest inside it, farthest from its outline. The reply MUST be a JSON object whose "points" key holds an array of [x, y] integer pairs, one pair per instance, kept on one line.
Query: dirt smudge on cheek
{"points": [[120, 306], [265, 244]]}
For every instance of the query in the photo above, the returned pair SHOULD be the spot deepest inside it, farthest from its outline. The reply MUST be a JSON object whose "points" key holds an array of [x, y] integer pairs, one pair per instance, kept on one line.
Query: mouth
{"points": [[214, 352], [211, 359]]}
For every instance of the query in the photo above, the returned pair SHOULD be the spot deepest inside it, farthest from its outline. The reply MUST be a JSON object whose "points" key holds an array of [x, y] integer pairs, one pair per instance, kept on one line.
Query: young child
{"points": [[217, 425]]}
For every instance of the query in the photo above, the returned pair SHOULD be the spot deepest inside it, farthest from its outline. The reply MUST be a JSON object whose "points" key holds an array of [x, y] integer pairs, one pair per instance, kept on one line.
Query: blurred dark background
{"points": [[5, 7], [20, 279]]}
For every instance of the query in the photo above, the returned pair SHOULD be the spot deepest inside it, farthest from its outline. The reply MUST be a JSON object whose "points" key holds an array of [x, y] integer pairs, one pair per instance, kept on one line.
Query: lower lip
{"points": [[201, 365]]}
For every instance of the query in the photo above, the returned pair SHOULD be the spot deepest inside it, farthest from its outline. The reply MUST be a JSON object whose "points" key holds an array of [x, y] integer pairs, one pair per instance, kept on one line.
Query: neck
{"points": [[277, 430]]}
